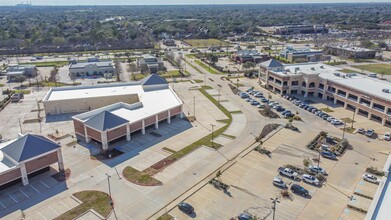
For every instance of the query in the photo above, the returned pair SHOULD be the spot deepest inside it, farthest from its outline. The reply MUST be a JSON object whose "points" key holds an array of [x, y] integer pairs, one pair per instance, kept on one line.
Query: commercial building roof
{"points": [[354, 49], [153, 80], [28, 147], [271, 63], [98, 64]]}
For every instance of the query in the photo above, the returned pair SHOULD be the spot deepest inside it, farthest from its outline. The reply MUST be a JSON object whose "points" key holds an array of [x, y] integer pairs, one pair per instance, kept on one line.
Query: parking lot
{"points": [[250, 179]]}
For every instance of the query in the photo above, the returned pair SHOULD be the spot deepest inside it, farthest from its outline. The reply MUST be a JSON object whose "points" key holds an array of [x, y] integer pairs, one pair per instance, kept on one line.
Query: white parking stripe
{"points": [[2, 205], [64, 204], [41, 215], [54, 210], [12, 198], [35, 188], [24, 194], [44, 184]]}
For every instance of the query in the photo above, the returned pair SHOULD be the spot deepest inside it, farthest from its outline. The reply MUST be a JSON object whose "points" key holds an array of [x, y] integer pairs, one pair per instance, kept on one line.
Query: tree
{"points": [[20, 79], [249, 65], [54, 76], [212, 58]]}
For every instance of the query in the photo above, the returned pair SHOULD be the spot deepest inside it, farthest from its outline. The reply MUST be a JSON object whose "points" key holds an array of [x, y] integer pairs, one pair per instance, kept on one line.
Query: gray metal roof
{"points": [[105, 120], [153, 79], [272, 63], [29, 146]]}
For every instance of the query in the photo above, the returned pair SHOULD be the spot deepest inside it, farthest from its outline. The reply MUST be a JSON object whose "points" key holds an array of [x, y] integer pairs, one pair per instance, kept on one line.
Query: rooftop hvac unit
{"points": [[322, 67], [312, 68], [386, 90]]}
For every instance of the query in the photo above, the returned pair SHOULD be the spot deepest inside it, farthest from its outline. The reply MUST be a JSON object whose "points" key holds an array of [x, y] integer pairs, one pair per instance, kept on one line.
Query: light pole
{"points": [[108, 182], [274, 201], [194, 107], [343, 132], [212, 132], [354, 114]]}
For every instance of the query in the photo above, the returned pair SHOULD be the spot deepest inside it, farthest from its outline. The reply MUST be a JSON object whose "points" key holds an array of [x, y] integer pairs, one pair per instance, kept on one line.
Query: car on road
{"points": [[370, 178], [369, 133], [245, 216], [387, 136], [361, 131], [254, 102], [284, 171], [186, 208], [299, 190], [310, 179], [315, 169], [277, 181], [328, 155]]}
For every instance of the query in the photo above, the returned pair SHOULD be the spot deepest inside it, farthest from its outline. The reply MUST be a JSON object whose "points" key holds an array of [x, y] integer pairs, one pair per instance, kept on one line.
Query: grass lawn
{"points": [[327, 110], [377, 68], [24, 91], [96, 200], [198, 81], [48, 64], [139, 178], [206, 67], [52, 84], [204, 42], [165, 217]]}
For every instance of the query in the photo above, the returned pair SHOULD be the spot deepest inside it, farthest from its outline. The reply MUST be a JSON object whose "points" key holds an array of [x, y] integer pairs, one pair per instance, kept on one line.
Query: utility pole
{"points": [[212, 132], [274, 201]]}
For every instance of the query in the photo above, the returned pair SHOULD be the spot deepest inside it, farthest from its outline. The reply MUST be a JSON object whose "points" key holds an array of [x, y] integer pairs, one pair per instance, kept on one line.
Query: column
{"points": [[182, 111], [325, 89], [60, 161], [105, 145], [23, 172], [156, 121], [335, 101], [383, 121], [142, 127], [88, 139], [128, 132], [169, 116]]}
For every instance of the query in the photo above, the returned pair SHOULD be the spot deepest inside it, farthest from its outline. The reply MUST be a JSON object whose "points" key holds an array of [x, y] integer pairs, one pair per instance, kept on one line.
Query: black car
{"points": [[299, 190], [186, 208]]}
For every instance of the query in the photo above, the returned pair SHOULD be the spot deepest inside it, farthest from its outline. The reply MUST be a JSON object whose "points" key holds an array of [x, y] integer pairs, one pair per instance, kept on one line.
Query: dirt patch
{"points": [[268, 112], [234, 89], [267, 130]]}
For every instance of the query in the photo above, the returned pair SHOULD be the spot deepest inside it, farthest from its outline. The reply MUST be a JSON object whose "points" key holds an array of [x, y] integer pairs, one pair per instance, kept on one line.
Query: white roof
{"points": [[5, 163], [150, 104], [82, 92]]}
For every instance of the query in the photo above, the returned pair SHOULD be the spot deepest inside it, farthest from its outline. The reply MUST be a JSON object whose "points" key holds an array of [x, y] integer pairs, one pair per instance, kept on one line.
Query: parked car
{"points": [[244, 95], [317, 113], [264, 100], [315, 169], [325, 117], [186, 208], [310, 179], [361, 131], [279, 108], [329, 119], [254, 102], [299, 190], [288, 172], [387, 136], [277, 181], [245, 216], [314, 110], [336, 122], [261, 106], [328, 155], [259, 95], [371, 178], [249, 89], [249, 99], [369, 132]]}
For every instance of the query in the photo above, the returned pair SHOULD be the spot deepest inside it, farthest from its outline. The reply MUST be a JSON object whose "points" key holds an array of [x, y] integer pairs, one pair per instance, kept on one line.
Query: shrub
{"points": [[344, 143], [285, 193], [323, 133], [320, 177], [373, 170], [306, 162]]}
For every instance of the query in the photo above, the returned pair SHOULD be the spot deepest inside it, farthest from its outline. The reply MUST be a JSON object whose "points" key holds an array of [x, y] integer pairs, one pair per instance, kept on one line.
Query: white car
{"points": [[310, 179], [371, 178], [329, 119], [336, 122], [387, 136], [277, 181]]}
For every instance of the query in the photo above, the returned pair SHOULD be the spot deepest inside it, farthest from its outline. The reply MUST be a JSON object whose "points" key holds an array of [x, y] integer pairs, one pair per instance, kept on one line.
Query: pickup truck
{"points": [[288, 172]]}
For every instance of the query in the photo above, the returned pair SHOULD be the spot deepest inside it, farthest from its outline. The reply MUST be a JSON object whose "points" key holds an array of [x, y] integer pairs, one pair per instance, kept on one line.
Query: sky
{"points": [[173, 2]]}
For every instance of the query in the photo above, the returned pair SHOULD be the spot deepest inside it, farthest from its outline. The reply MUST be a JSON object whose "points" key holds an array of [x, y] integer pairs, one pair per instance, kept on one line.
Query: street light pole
{"points": [[212, 132], [108, 182], [354, 113], [274, 201], [343, 132]]}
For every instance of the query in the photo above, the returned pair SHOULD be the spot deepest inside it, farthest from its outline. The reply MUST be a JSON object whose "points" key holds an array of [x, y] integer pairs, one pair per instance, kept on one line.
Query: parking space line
{"points": [[35, 188], [41, 215], [44, 184], [64, 204], [2, 205], [12, 198], [54, 210], [24, 193]]}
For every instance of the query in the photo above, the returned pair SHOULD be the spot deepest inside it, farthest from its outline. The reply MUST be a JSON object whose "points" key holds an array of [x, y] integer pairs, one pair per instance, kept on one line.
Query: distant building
{"points": [[350, 52], [27, 156], [150, 64], [15, 70], [366, 96], [91, 69], [169, 42], [244, 56], [301, 29], [305, 54]]}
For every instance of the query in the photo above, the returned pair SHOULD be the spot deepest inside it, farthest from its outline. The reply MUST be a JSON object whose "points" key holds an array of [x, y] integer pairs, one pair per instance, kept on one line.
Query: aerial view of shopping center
{"points": [[225, 110]]}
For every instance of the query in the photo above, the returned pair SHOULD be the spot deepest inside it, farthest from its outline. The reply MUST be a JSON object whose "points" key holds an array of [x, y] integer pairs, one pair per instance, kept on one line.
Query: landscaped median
{"points": [[96, 200], [207, 68], [146, 175]]}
